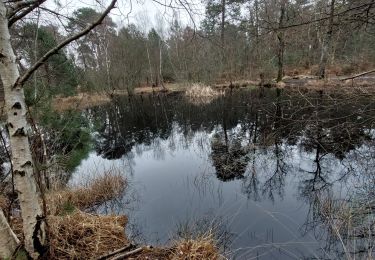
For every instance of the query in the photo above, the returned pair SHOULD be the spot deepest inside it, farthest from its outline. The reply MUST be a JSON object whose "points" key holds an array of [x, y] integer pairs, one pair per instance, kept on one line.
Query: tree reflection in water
{"points": [[229, 159], [323, 142]]}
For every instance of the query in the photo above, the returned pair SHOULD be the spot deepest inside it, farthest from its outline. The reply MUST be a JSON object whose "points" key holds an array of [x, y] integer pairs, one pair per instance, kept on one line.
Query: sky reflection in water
{"points": [[256, 167]]}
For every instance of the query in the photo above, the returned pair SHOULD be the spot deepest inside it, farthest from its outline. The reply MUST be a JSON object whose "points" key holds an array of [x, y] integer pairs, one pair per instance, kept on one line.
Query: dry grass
{"points": [[359, 85], [203, 247], [199, 90], [87, 100], [85, 236], [201, 94], [75, 234], [200, 248], [93, 193], [350, 224], [80, 101]]}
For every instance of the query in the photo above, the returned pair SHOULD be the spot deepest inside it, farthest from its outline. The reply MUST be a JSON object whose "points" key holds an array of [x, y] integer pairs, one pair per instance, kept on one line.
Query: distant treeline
{"points": [[237, 39]]}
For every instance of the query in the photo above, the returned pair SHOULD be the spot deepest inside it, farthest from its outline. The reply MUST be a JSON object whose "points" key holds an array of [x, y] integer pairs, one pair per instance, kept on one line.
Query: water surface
{"points": [[255, 165]]}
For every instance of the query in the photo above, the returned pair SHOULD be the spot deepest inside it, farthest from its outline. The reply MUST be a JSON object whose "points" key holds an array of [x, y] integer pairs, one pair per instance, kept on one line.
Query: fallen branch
{"points": [[106, 256], [127, 254], [359, 75]]}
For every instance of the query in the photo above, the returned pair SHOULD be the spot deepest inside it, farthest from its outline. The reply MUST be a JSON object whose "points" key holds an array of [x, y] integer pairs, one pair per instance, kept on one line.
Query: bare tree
{"points": [[326, 45], [281, 45], [222, 32]]}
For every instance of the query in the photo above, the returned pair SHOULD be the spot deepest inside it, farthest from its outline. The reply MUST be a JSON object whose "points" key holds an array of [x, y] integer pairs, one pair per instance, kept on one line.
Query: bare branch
{"points": [[31, 5], [19, 5], [54, 50]]}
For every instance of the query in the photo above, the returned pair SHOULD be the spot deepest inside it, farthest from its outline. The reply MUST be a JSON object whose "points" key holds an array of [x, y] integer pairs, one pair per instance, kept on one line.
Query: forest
{"points": [[128, 133], [235, 40]]}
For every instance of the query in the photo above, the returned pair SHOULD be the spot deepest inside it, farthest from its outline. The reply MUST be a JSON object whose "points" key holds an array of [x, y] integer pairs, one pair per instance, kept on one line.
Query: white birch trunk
{"points": [[8, 240], [24, 181]]}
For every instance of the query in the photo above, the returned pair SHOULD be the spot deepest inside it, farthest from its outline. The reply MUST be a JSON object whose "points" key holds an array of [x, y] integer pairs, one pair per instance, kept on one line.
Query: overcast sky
{"points": [[147, 13]]}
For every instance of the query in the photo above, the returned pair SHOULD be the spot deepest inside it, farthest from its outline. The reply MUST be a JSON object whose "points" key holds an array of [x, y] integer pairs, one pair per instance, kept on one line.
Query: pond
{"points": [[258, 167]]}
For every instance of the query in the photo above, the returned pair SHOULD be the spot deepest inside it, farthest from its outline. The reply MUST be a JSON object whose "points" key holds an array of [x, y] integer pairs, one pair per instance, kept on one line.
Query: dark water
{"points": [[255, 166]]}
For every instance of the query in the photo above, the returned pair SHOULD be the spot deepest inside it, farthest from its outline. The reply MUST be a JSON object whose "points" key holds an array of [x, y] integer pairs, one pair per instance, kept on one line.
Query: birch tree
{"points": [[33, 217]]}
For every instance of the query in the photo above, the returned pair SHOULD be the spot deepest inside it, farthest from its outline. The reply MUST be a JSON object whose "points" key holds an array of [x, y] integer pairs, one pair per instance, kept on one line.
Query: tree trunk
{"points": [[160, 66], [256, 4], [327, 43], [280, 55], [23, 170], [257, 33], [222, 33], [8, 240], [149, 63], [281, 47]]}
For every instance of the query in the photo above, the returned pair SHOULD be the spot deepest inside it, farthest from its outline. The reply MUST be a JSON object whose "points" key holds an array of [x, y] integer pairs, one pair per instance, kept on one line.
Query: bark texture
{"points": [[23, 170], [8, 240]]}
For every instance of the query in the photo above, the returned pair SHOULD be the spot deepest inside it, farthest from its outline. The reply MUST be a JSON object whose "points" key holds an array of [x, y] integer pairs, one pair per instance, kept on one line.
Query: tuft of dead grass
{"points": [[201, 94], [199, 90], [93, 193], [85, 236], [203, 247]]}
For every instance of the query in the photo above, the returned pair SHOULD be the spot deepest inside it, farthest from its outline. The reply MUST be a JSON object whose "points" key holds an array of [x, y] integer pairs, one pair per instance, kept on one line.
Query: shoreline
{"points": [[84, 100]]}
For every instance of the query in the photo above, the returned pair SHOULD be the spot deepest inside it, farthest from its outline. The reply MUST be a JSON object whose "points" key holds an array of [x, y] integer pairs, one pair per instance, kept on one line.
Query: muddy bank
{"points": [[365, 85]]}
